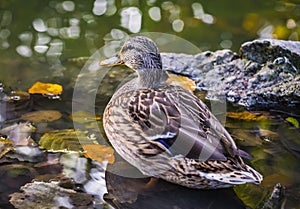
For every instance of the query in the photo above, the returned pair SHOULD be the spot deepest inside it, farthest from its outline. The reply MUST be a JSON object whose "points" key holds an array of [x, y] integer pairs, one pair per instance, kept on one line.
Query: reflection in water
{"points": [[91, 175], [137, 193]]}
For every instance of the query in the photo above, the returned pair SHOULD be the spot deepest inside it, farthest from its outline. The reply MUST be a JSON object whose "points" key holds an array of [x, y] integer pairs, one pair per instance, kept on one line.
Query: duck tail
{"points": [[255, 175], [234, 177]]}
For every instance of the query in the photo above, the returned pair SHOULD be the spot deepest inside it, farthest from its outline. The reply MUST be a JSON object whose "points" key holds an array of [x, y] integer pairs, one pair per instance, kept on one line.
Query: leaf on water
{"points": [[99, 152], [42, 116], [45, 88], [253, 116], [63, 140], [5, 146], [293, 121], [182, 81]]}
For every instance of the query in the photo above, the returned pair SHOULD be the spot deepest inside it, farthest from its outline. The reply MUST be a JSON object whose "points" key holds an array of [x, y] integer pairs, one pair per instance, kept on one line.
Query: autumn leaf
{"points": [[5, 146], [63, 140], [45, 88], [99, 152], [182, 81], [254, 116], [293, 121]]}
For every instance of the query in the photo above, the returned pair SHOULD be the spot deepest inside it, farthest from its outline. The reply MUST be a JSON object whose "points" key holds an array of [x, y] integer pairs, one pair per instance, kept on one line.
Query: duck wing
{"points": [[176, 121]]}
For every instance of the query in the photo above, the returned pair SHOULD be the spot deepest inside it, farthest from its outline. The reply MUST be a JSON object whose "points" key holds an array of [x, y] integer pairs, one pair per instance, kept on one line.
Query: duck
{"points": [[167, 132]]}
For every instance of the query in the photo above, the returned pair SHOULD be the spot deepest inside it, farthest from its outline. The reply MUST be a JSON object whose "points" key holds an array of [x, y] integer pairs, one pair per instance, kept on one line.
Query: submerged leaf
{"points": [[293, 121], [99, 152], [63, 140], [255, 116], [182, 81], [42, 116], [45, 88], [84, 117]]}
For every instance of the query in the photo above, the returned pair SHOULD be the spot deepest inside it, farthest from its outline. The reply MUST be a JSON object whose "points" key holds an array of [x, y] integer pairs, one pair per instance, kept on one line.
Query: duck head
{"points": [[142, 55]]}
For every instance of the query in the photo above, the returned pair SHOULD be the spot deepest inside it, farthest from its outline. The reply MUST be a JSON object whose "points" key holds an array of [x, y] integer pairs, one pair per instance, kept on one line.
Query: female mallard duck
{"points": [[167, 132]]}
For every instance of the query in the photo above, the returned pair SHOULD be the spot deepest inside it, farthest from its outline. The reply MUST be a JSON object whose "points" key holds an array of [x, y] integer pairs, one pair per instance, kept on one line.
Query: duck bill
{"points": [[115, 60]]}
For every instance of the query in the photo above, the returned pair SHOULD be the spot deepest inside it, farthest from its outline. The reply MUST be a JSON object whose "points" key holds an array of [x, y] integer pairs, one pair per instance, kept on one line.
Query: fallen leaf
{"points": [[182, 81], [63, 140], [5, 146], [45, 88], [293, 121], [254, 116], [99, 152], [42, 116]]}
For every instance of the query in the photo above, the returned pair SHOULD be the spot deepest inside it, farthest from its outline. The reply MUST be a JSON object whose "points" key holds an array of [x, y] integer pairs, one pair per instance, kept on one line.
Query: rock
{"points": [[265, 75], [50, 195], [275, 199], [262, 51]]}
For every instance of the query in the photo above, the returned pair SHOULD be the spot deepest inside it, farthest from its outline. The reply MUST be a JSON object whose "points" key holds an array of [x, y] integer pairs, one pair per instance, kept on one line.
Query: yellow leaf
{"points": [[293, 121], [182, 81], [64, 140], [256, 116], [99, 152], [5, 146], [45, 88]]}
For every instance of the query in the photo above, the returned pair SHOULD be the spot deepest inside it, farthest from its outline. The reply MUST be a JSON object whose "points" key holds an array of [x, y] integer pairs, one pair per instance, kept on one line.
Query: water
{"points": [[42, 40]]}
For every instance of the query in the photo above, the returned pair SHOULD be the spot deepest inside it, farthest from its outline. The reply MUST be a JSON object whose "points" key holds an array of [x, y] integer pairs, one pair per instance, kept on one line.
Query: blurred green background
{"points": [[48, 32], [40, 29]]}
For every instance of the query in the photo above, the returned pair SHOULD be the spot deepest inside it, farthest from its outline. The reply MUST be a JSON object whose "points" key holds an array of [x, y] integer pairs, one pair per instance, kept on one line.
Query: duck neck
{"points": [[151, 78]]}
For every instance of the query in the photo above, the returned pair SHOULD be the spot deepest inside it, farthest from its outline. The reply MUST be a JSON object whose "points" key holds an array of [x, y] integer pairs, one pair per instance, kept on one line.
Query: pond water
{"points": [[50, 41]]}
